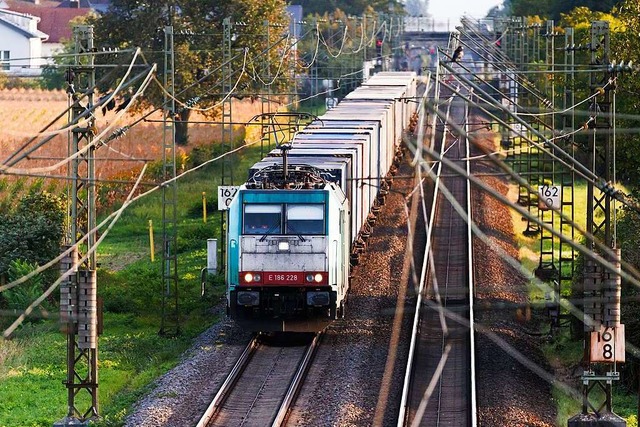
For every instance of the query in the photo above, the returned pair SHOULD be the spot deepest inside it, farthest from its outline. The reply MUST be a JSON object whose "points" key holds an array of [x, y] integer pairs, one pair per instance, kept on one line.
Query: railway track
{"points": [[439, 382], [263, 384]]}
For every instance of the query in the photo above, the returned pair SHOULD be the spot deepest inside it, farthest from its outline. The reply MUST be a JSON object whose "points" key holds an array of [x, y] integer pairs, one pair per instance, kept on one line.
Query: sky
{"points": [[453, 9]]}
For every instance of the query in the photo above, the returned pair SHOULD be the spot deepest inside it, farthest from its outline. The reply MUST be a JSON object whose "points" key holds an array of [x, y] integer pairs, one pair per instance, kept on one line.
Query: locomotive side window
{"points": [[305, 219], [262, 219]]}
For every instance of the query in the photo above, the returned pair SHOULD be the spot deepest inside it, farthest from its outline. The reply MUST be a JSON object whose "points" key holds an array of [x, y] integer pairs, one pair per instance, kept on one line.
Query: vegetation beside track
{"points": [[131, 353], [563, 353]]}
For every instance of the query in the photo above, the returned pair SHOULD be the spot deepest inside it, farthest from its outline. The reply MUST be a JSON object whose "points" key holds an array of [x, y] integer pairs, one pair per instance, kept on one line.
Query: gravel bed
{"points": [[181, 396], [357, 376], [509, 394]]}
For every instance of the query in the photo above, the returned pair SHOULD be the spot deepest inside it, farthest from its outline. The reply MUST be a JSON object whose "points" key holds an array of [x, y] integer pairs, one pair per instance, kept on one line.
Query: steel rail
{"points": [[404, 401], [229, 383], [470, 271], [436, 380], [296, 384]]}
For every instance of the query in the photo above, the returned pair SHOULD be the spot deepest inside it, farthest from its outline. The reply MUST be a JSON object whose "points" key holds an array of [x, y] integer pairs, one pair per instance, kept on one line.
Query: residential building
{"points": [[53, 20], [20, 44]]}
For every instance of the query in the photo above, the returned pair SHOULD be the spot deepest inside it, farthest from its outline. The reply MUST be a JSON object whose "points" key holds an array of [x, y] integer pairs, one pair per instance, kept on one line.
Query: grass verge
{"points": [[131, 353], [564, 354]]}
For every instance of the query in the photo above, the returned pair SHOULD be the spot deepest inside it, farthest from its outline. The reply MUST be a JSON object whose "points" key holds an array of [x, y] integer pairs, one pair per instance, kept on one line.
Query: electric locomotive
{"points": [[303, 217]]}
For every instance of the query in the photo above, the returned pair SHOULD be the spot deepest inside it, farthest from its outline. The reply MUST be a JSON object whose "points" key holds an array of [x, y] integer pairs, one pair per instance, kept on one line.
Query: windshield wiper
{"points": [[270, 230], [291, 228]]}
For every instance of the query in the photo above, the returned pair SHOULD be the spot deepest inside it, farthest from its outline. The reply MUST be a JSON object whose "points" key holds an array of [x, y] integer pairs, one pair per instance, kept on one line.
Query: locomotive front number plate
{"points": [[282, 278]]}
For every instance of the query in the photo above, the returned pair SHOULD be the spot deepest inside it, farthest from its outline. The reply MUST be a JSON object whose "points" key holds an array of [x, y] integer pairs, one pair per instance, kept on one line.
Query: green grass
{"points": [[131, 353], [563, 353], [31, 375]]}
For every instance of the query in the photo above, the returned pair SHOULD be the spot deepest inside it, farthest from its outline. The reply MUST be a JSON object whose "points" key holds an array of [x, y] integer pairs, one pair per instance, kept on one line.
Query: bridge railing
{"points": [[428, 24]]}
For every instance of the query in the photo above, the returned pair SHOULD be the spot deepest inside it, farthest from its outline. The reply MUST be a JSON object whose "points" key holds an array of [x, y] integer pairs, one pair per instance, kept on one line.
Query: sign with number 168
{"points": [[607, 345]]}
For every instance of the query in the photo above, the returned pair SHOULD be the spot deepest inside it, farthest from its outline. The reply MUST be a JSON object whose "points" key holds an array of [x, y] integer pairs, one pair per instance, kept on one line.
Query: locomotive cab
{"points": [[287, 250]]}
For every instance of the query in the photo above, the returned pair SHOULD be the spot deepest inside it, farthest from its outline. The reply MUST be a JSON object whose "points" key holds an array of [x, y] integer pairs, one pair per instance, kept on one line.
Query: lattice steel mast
{"points": [[78, 304]]}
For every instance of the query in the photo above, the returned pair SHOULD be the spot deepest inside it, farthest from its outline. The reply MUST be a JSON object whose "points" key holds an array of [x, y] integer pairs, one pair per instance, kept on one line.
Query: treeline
{"points": [[553, 9]]}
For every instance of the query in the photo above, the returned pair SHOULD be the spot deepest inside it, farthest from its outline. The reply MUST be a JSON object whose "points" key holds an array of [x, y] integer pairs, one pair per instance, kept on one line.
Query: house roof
{"points": [[54, 17], [19, 29]]}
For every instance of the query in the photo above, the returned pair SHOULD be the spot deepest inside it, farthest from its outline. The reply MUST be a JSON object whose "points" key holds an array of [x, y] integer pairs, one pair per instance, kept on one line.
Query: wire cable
{"points": [[17, 171]]}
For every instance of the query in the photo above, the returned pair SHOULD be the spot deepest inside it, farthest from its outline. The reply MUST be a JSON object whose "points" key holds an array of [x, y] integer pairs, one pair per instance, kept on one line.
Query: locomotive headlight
{"points": [[283, 246], [309, 278], [252, 277], [318, 277]]}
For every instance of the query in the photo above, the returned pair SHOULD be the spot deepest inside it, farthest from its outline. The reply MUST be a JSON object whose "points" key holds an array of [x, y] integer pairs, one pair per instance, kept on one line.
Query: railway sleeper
{"points": [[359, 245], [384, 188], [354, 259], [367, 228]]}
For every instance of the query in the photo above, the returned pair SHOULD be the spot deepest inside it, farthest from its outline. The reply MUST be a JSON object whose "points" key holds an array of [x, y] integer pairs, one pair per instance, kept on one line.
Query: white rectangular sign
{"points": [[607, 345], [226, 193], [549, 197]]}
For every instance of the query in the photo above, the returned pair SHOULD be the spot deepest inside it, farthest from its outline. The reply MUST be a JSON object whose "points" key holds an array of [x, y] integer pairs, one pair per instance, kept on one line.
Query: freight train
{"points": [[299, 223]]}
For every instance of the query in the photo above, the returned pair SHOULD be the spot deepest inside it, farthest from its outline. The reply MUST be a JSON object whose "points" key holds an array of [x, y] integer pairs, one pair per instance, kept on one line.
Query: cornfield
{"points": [[25, 112]]}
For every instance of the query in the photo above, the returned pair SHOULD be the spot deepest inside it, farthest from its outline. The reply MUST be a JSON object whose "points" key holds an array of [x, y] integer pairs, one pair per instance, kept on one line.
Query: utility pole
{"points": [[227, 127], [265, 135], [546, 180], [170, 322], [78, 305], [566, 256], [603, 332]]}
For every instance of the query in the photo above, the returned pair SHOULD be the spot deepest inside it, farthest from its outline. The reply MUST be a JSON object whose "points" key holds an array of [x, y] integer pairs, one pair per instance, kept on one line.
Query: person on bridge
{"points": [[457, 54]]}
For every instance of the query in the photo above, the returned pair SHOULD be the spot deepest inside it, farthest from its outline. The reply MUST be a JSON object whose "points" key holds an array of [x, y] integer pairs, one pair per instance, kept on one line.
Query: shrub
{"points": [[21, 296], [33, 230], [135, 289]]}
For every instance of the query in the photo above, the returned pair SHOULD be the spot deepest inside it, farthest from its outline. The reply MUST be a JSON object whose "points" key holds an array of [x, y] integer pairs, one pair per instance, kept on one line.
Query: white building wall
{"points": [[36, 60], [19, 47], [50, 49]]}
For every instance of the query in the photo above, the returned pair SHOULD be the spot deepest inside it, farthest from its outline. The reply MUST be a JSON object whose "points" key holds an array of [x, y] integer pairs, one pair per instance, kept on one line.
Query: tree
{"points": [[32, 231], [553, 9], [198, 41], [625, 42], [527, 7]]}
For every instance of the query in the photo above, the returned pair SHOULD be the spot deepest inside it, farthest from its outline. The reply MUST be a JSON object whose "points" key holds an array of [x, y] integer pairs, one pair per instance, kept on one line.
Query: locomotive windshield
{"points": [[305, 219], [294, 219], [262, 219]]}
